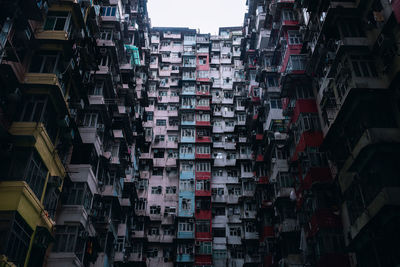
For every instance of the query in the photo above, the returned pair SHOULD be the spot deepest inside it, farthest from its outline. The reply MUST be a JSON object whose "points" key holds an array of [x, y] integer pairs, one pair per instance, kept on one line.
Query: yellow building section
{"points": [[38, 137], [17, 196], [77, 18]]}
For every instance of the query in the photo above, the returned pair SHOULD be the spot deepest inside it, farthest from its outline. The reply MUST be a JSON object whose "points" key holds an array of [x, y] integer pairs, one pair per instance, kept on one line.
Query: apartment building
{"points": [[73, 91], [270, 144], [325, 122]]}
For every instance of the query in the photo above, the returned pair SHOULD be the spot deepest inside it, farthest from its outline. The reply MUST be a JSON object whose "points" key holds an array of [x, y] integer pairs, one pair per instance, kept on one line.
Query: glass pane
{"points": [[50, 21], [60, 23]]}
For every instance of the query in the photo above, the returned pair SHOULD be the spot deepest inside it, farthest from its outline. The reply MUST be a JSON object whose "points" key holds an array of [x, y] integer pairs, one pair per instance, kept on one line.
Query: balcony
{"points": [[187, 156], [158, 162], [83, 173], [289, 225], [203, 155], [90, 135], [185, 235], [251, 259], [245, 156], [46, 79], [234, 240], [203, 123], [218, 199], [233, 199], [184, 257], [164, 73], [187, 139], [186, 175], [188, 123], [18, 196], [144, 174], [63, 259], [37, 135], [283, 192]]}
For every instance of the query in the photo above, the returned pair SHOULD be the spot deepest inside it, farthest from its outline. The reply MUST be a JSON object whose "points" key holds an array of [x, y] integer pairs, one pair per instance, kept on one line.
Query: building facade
{"points": [[72, 105], [322, 77], [275, 143]]}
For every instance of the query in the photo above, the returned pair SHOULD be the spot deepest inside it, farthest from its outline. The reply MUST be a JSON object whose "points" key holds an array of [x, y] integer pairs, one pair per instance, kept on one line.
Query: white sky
{"points": [[206, 15]]}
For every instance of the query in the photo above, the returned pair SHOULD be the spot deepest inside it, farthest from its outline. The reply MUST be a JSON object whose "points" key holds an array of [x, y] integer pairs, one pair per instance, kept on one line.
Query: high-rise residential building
{"points": [[274, 143], [325, 126], [72, 104]]}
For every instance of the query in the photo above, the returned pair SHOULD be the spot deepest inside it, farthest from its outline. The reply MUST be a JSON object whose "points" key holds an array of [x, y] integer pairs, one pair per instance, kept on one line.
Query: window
{"points": [[294, 37], [109, 11], [236, 191], [158, 171], [204, 248], [172, 138], [235, 231], [217, 191], [149, 116], [203, 185], [162, 93], [155, 209], [363, 66], [203, 102], [203, 117], [250, 227], [141, 204], [172, 154], [189, 117], [185, 249], [160, 138], [203, 166], [187, 132], [219, 254], [203, 149], [107, 34], [297, 62], [15, 237], [78, 194], [152, 252], [57, 21], [186, 186], [188, 101], [44, 63], [202, 226], [186, 204], [154, 231], [66, 239], [285, 180], [187, 166], [247, 167], [26, 164], [202, 60], [186, 149], [185, 227], [170, 190], [159, 153], [288, 14], [157, 190], [234, 210], [168, 230], [218, 211], [162, 107], [161, 122], [90, 119]]}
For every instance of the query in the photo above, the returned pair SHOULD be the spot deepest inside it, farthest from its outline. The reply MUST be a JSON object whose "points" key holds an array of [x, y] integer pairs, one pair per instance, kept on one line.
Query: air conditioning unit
{"points": [[191, 220]]}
